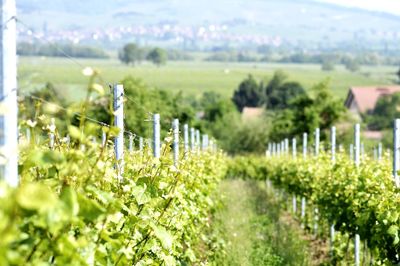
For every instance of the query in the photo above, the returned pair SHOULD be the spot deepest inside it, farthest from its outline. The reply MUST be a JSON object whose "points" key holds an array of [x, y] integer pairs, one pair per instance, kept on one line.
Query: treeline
{"points": [[59, 50], [350, 60], [132, 54]]}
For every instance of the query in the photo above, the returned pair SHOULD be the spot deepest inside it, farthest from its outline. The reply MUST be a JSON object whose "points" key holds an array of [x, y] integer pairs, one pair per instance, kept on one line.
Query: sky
{"points": [[390, 6]]}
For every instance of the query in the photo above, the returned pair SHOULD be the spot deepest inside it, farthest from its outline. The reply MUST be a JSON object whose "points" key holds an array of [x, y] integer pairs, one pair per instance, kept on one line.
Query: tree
{"points": [[131, 54], [328, 65], [306, 113], [280, 93], [248, 93], [385, 111], [398, 75], [352, 65], [157, 56]]}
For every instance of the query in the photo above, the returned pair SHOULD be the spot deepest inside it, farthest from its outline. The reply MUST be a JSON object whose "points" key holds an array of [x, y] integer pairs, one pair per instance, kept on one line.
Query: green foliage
{"points": [[307, 113], [398, 75], [157, 56], [328, 65], [361, 200], [59, 50], [352, 65], [131, 54], [248, 94], [385, 111], [71, 208], [280, 93]]}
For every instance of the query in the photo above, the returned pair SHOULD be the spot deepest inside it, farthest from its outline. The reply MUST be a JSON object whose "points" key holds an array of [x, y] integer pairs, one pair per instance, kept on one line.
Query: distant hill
{"points": [[292, 20]]}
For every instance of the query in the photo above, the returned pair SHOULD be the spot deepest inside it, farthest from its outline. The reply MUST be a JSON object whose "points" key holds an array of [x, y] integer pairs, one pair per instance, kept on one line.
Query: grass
{"points": [[192, 78], [257, 230]]}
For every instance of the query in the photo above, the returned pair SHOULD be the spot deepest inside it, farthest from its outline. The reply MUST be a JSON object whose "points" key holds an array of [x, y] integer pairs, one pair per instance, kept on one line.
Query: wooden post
{"points": [[8, 93], [119, 123], [156, 136]]}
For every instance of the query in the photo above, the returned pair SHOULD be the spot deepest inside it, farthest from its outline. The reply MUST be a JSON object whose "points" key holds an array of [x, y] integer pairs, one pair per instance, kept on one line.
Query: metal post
{"points": [[305, 145], [294, 148], [119, 123], [198, 142], [333, 144], [8, 93], [141, 144], [380, 151], [186, 138], [333, 158], [286, 146], [279, 149], [357, 163], [396, 151], [130, 143], [351, 152], [156, 136], [52, 132], [192, 139], [175, 128], [357, 144], [303, 210], [274, 149], [28, 136], [317, 133]]}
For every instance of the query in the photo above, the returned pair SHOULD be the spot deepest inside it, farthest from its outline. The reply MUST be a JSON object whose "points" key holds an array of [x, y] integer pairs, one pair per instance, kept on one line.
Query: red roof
{"points": [[367, 97]]}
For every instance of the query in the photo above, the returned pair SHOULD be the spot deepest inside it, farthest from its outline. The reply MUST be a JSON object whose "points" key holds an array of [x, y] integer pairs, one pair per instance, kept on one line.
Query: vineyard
{"points": [[127, 174]]}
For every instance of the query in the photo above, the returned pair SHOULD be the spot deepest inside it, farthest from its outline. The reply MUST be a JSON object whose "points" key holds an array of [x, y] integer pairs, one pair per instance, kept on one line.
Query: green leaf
{"points": [[36, 196], [70, 199], [393, 230], [89, 209], [164, 236], [140, 194], [74, 132]]}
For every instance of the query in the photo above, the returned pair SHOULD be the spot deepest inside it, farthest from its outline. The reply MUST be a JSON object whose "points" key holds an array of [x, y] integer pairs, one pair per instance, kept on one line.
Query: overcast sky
{"points": [[390, 6]]}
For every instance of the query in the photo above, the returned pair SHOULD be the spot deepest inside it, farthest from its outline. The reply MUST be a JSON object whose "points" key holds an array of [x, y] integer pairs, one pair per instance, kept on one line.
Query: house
{"points": [[252, 112], [363, 99]]}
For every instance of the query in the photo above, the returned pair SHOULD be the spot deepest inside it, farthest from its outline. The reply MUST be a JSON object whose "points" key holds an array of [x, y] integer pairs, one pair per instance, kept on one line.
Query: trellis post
{"points": [[119, 123]]}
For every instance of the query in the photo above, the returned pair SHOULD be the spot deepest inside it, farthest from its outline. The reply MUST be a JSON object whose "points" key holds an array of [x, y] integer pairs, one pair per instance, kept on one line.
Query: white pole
{"points": [[317, 133], [380, 151], [333, 158], [52, 131], [8, 93], [286, 146], [294, 148], [304, 145], [352, 152], [156, 136], [192, 139], [175, 128], [198, 140], [141, 144], [186, 138], [119, 123], [396, 151], [28, 135], [357, 163], [130, 143], [333, 144]]}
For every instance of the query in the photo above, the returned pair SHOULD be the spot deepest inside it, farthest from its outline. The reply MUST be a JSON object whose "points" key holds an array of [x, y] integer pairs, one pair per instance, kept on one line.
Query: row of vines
{"points": [[356, 200]]}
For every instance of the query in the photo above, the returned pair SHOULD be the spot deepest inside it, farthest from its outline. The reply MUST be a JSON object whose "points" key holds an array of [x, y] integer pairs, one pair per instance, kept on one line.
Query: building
{"points": [[252, 112], [363, 99]]}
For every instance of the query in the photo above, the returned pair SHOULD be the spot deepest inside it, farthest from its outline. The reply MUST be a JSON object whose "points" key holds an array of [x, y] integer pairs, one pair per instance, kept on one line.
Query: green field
{"points": [[192, 78]]}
